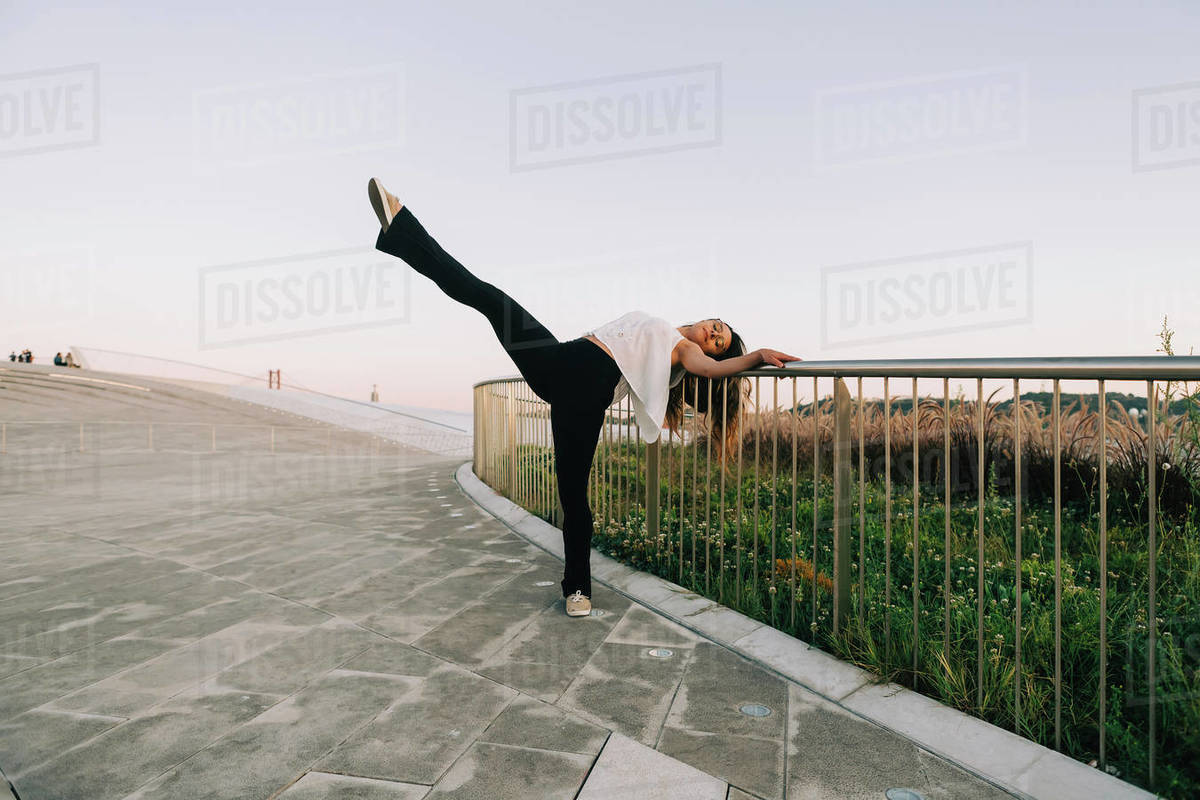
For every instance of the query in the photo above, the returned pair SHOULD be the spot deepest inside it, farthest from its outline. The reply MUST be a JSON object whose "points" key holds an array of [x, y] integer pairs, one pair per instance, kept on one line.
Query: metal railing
{"points": [[646, 515]]}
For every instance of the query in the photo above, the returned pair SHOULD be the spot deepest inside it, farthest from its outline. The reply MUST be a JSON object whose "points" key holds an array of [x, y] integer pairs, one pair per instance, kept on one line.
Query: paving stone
{"points": [[412, 617], [717, 683], [286, 667], [440, 562], [113, 580], [142, 686], [12, 664], [546, 682], [292, 570], [378, 590], [51, 630], [311, 589], [266, 556], [632, 771], [553, 637], [98, 625], [207, 619], [28, 739], [264, 755], [502, 772], [420, 736], [327, 786], [529, 722], [284, 612], [625, 689], [394, 658], [33, 687], [822, 735], [639, 625], [114, 764], [754, 763], [475, 633]]}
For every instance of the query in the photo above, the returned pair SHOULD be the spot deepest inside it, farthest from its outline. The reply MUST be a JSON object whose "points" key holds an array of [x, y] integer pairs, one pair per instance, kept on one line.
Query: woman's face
{"points": [[712, 335]]}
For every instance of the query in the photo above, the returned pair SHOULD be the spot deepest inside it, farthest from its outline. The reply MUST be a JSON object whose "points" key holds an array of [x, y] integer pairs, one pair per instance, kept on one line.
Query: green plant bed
{"points": [[750, 568]]}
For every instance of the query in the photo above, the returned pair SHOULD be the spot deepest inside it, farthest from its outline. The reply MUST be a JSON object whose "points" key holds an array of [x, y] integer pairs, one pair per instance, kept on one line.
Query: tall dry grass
{"points": [[1177, 455]]}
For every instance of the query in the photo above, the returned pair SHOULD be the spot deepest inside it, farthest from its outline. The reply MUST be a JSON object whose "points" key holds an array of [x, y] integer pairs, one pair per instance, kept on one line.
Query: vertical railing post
{"points": [[652, 490], [841, 504], [511, 433], [1152, 611]]}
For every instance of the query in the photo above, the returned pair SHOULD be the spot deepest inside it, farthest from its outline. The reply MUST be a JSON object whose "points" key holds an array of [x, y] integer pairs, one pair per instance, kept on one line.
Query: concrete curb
{"points": [[1000, 757]]}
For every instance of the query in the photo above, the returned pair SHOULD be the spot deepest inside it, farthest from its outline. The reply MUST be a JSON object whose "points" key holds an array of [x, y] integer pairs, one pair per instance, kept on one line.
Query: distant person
{"points": [[28, 357], [12, 356], [58, 360], [69, 361], [636, 353]]}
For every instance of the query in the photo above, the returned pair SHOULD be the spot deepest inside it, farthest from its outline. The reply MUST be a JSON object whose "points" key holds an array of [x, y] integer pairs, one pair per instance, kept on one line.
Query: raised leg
{"points": [[526, 340]]}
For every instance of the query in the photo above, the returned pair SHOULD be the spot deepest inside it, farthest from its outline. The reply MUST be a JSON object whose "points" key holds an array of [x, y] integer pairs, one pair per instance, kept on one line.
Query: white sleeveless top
{"points": [[641, 345]]}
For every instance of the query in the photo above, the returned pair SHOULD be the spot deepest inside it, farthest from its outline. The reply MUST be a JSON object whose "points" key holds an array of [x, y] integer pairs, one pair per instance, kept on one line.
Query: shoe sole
{"points": [[378, 202]]}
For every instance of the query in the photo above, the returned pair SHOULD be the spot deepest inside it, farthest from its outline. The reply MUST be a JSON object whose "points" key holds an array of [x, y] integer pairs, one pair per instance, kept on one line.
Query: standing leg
{"points": [[576, 429], [528, 342]]}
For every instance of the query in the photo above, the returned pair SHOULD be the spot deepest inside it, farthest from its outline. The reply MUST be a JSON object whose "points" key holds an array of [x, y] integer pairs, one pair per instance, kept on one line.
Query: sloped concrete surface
{"points": [[317, 623]]}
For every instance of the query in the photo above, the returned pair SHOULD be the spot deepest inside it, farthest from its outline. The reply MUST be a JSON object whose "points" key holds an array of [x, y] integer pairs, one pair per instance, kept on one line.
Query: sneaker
{"points": [[386, 205], [578, 605]]}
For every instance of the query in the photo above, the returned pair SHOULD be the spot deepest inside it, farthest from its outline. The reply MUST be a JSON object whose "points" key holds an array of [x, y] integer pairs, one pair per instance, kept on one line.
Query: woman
{"points": [[581, 378]]}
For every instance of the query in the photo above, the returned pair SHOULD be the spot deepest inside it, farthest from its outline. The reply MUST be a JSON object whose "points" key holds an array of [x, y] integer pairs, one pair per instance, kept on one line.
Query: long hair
{"points": [[727, 397]]}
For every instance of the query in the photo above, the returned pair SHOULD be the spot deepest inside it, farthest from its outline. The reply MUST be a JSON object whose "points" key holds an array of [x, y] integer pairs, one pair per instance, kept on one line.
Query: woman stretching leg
{"points": [[577, 378]]}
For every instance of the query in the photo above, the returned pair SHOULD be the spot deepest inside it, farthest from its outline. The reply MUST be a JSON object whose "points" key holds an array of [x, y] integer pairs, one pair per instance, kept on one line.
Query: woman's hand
{"points": [[774, 357]]}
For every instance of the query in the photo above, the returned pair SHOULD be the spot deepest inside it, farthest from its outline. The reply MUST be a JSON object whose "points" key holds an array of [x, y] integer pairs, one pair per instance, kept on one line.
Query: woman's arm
{"points": [[697, 362]]}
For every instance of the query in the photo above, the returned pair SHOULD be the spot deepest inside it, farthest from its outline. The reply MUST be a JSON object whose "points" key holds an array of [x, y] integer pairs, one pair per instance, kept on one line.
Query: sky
{"points": [[837, 181]]}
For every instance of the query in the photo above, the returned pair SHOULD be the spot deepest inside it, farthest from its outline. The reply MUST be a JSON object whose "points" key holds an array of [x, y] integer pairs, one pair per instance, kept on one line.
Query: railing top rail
{"points": [[1066, 367]]}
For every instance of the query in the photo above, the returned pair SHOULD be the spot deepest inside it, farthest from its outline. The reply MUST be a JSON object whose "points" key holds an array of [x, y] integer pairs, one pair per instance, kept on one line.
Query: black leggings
{"points": [[576, 378]]}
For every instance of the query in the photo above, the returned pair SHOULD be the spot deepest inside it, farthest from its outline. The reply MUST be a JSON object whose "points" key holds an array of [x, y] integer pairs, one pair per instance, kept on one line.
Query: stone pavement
{"points": [[305, 625]]}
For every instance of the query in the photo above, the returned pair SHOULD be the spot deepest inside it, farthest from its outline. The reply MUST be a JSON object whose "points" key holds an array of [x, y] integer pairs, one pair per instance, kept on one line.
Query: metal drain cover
{"points": [[661, 652], [754, 710], [512, 561], [903, 794], [544, 583], [597, 612]]}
